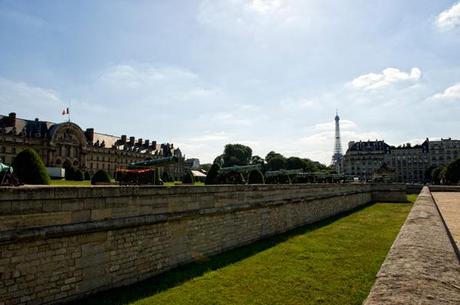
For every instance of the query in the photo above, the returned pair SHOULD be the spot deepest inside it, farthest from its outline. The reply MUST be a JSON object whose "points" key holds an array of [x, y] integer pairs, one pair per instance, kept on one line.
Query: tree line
{"points": [[236, 155], [240, 155]]}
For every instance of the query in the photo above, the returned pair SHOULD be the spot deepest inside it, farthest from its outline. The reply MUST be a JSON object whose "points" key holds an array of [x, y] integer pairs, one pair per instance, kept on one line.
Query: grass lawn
{"points": [[332, 262], [66, 182]]}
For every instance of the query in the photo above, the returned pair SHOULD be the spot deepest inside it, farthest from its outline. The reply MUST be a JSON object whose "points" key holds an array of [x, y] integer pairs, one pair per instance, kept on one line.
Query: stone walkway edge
{"points": [[422, 266]]}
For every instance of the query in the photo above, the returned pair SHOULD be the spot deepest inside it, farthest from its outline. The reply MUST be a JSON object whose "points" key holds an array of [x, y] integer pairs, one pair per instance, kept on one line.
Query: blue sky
{"points": [[269, 74]]}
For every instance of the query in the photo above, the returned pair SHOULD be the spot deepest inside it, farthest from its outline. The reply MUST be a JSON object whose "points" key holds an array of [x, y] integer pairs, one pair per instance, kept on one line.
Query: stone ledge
{"points": [[422, 266], [54, 231]]}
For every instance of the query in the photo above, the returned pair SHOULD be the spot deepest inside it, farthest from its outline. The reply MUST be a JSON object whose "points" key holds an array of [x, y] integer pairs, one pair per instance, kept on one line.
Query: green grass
{"points": [[331, 262], [66, 182], [412, 197]]}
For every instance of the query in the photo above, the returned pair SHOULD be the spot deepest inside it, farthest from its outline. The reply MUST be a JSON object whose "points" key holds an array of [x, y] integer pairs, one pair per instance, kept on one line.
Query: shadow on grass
{"points": [[181, 274]]}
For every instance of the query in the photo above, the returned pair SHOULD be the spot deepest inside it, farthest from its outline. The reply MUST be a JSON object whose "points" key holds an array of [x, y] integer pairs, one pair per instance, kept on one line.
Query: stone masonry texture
{"points": [[422, 266], [61, 243]]}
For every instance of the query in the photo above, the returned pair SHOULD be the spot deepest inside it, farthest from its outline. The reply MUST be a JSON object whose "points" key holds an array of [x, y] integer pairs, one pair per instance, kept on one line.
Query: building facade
{"points": [[66, 144], [410, 163]]}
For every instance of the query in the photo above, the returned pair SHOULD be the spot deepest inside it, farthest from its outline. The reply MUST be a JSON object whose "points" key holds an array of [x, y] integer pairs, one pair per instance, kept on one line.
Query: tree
{"points": [[211, 177], [295, 163], [256, 177], [271, 155], [236, 154], [256, 160], [452, 173], [206, 166], [219, 160], [429, 172], [100, 176], [276, 163], [437, 174], [87, 176], [29, 168]]}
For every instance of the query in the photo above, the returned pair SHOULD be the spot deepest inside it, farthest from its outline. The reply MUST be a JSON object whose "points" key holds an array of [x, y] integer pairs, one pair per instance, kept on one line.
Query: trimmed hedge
{"points": [[188, 178], [29, 168], [100, 176], [211, 177], [79, 175], [69, 173]]}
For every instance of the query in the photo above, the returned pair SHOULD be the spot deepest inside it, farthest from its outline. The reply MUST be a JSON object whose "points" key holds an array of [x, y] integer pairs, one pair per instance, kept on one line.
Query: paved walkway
{"points": [[449, 205]]}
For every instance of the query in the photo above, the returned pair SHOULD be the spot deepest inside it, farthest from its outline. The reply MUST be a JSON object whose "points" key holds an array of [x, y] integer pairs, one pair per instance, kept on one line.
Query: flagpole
{"points": [[68, 110]]}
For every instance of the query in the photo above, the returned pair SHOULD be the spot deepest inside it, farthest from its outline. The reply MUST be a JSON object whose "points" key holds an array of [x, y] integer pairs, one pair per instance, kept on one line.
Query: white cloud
{"points": [[453, 92], [29, 101], [330, 126], [387, 77], [209, 137], [295, 104], [252, 16], [449, 18]]}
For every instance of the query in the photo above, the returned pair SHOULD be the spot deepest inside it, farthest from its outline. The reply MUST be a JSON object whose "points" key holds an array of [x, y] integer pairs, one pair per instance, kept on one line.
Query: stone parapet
{"points": [[61, 243], [422, 266]]}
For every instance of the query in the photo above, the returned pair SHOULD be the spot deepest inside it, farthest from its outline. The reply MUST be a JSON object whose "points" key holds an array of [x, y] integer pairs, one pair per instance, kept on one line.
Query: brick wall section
{"points": [[60, 243], [422, 266]]}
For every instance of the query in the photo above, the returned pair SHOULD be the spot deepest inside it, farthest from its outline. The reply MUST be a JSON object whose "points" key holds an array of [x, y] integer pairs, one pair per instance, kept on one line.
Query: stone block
{"points": [[101, 214]]}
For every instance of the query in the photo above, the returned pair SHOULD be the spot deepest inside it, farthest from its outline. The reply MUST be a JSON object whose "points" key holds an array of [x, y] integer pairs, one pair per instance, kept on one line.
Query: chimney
{"points": [[139, 142], [154, 145], [12, 119], [89, 133], [123, 139], [146, 143], [131, 141]]}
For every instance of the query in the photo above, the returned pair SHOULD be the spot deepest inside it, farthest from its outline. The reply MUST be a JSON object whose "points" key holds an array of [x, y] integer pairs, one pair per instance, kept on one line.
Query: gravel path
{"points": [[449, 205]]}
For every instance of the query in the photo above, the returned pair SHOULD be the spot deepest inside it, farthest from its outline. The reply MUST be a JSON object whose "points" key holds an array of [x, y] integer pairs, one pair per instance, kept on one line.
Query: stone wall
{"points": [[422, 266], [60, 243]]}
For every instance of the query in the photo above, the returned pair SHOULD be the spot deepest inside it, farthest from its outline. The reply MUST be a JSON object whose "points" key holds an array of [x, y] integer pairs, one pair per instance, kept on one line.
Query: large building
{"points": [[66, 144], [409, 163]]}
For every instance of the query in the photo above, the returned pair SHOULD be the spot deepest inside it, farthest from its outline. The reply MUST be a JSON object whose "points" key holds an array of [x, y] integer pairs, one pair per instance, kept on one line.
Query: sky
{"points": [[269, 74]]}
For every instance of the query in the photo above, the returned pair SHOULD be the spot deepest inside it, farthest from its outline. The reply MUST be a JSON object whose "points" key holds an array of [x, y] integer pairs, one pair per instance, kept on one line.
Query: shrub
{"points": [[29, 168], [256, 177], [79, 175], [211, 177], [188, 178], [452, 173], [100, 176], [87, 176], [69, 173]]}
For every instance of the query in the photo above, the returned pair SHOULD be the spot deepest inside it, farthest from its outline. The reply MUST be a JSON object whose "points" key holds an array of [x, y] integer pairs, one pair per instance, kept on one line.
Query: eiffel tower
{"points": [[337, 156]]}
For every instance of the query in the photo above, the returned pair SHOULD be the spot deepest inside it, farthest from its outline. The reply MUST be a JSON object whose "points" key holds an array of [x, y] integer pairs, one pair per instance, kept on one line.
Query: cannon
{"points": [[237, 174], [143, 172], [7, 177], [153, 163]]}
